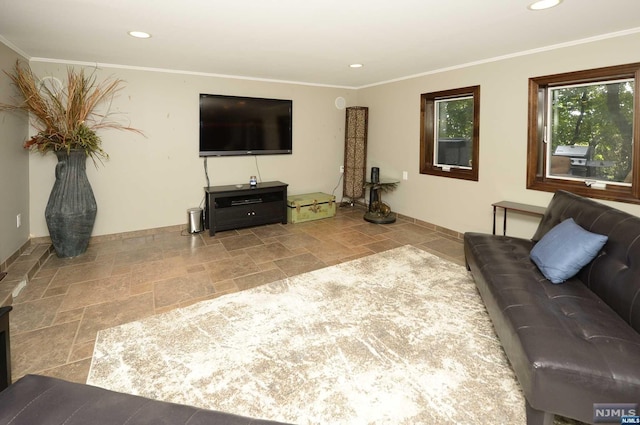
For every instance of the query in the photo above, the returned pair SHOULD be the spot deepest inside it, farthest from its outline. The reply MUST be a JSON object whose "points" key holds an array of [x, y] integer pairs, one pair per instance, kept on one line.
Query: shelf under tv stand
{"points": [[234, 206]]}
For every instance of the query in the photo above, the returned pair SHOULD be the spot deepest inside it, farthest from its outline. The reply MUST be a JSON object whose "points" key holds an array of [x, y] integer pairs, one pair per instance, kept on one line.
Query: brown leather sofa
{"points": [[41, 400], [573, 344]]}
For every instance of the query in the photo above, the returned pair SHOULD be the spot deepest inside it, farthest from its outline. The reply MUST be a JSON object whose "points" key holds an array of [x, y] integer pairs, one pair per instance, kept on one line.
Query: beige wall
{"points": [[394, 121], [151, 182], [14, 166]]}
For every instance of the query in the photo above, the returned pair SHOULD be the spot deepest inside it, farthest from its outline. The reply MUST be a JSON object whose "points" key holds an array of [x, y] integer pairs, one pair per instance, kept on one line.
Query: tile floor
{"points": [[121, 279]]}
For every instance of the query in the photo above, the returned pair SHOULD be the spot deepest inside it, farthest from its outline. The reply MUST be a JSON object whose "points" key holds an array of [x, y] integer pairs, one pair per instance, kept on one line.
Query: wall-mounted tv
{"points": [[232, 125]]}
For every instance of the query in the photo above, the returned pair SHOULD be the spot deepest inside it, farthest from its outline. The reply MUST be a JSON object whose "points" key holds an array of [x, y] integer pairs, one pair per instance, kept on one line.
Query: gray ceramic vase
{"points": [[71, 210]]}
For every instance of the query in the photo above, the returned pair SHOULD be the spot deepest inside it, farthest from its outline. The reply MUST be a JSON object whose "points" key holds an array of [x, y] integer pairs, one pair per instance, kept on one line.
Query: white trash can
{"points": [[195, 220]]}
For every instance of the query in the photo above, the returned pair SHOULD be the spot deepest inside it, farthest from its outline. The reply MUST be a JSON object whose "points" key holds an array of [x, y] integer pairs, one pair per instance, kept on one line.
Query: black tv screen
{"points": [[232, 125]]}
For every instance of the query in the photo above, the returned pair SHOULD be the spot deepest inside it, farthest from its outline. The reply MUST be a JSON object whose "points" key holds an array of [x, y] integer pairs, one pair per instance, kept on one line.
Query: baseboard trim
{"points": [[435, 227], [23, 267], [13, 257]]}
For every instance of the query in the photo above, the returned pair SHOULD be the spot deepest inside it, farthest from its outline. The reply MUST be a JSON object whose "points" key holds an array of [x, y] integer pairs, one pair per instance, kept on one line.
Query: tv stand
{"points": [[232, 207]]}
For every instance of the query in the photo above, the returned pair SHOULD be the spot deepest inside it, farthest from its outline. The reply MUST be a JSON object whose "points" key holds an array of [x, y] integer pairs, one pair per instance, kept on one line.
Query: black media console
{"points": [[236, 206]]}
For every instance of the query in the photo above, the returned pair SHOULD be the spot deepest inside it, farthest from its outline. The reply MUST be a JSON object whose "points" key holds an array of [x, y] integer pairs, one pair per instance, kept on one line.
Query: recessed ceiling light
{"points": [[356, 65], [139, 34], [544, 4]]}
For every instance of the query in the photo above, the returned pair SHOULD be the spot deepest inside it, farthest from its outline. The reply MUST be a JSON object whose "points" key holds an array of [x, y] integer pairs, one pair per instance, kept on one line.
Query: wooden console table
{"points": [[236, 206], [514, 206]]}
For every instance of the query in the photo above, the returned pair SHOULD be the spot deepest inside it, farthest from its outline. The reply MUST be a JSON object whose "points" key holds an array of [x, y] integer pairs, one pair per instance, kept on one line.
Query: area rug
{"points": [[400, 337]]}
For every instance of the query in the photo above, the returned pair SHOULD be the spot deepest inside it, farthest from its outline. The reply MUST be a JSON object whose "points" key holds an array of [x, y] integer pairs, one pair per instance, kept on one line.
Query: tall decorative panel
{"points": [[355, 152]]}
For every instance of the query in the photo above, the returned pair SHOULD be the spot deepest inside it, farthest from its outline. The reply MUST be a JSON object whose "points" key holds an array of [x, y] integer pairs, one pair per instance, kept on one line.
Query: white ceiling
{"points": [[309, 41]]}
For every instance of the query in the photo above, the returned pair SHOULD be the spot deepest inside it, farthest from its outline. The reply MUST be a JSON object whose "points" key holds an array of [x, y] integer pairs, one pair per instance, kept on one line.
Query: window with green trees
{"points": [[449, 140], [583, 133]]}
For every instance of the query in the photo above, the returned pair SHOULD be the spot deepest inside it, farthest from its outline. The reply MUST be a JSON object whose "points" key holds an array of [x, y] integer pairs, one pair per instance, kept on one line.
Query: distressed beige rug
{"points": [[400, 337]]}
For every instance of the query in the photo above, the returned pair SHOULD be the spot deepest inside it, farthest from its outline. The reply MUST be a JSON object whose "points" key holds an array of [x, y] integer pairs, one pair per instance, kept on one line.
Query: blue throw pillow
{"points": [[565, 249]]}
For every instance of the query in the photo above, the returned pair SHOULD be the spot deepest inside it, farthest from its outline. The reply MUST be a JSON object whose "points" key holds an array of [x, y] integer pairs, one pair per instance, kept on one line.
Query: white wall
{"points": [[394, 136], [151, 182], [14, 166]]}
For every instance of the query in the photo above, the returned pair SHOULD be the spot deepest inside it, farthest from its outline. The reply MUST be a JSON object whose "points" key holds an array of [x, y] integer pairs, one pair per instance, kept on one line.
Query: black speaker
{"points": [[375, 175]]}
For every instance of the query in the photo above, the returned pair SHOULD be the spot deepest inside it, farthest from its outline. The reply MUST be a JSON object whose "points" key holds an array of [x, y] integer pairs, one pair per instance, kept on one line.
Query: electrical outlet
{"points": [[341, 169], [405, 175], [18, 220]]}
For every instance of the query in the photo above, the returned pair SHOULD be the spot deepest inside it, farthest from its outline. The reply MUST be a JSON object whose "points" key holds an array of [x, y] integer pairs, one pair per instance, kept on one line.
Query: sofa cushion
{"points": [[566, 249]]}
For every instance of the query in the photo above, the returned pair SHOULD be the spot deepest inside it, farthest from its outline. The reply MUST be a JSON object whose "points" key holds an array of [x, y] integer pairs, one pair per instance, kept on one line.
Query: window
{"points": [[583, 133], [450, 128]]}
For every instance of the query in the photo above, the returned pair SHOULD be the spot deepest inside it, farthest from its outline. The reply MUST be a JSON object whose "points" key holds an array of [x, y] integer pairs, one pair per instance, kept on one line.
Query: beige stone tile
{"points": [[42, 349], [6, 297], [270, 265], [332, 250], [270, 231], [81, 351], [69, 316], [152, 271], [57, 262], [266, 253], [197, 300], [204, 254], [298, 240], [80, 273], [241, 242], [19, 269], [383, 245], [114, 313], [105, 257], [138, 256], [219, 236], [353, 238], [225, 286], [411, 234], [210, 240], [96, 292], [448, 247], [300, 264], [260, 278], [196, 268], [180, 289], [231, 268], [34, 290], [54, 292], [322, 232], [141, 288], [105, 247], [33, 315], [43, 273], [371, 229], [353, 257], [180, 242], [75, 372], [341, 221], [135, 243], [121, 269]]}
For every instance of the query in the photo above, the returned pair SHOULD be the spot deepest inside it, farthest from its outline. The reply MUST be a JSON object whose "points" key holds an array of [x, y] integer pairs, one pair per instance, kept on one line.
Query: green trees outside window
{"points": [[584, 132]]}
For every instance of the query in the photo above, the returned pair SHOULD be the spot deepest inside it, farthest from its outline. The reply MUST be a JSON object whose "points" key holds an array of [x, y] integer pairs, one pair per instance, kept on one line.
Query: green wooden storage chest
{"points": [[310, 206]]}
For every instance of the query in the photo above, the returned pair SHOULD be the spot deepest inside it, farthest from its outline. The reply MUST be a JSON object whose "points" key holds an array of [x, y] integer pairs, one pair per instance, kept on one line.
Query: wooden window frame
{"points": [[427, 139], [536, 160]]}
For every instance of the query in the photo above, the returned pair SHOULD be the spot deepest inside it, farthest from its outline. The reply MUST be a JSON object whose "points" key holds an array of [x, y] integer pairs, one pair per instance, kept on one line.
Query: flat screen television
{"points": [[233, 125]]}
